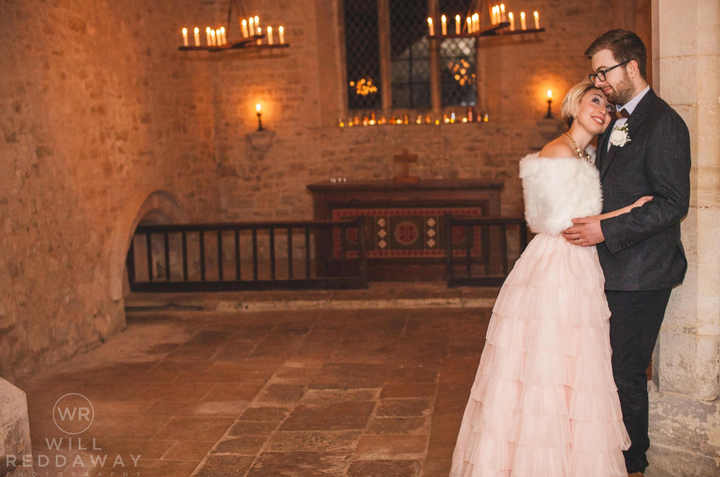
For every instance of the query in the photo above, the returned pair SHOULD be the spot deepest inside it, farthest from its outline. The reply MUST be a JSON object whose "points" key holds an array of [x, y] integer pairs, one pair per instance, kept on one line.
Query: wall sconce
{"points": [[549, 102], [262, 139], [258, 108]]}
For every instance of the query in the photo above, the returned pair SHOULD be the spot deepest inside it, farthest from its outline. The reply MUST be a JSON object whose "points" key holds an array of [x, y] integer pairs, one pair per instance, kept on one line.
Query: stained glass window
{"points": [[362, 54], [410, 54], [458, 75]]}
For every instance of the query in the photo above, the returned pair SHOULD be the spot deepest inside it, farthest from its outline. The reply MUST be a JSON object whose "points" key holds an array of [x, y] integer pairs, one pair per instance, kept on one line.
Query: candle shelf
{"points": [[243, 44], [496, 30], [519, 32]]}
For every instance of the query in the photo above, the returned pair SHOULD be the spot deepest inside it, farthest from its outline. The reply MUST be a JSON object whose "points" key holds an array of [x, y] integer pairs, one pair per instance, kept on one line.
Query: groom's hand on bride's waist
{"points": [[585, 232]]}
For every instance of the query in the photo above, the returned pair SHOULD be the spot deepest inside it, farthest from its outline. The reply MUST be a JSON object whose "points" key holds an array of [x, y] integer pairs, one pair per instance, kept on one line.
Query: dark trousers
{"points": [[634, 328]]}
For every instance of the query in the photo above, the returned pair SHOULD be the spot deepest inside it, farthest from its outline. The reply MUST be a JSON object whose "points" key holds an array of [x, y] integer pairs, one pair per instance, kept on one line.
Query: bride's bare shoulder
{"points": [[556, 148]]}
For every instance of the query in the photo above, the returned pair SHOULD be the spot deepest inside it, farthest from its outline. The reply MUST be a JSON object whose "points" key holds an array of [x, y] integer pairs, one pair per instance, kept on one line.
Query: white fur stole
{"points": [[557, 190]]}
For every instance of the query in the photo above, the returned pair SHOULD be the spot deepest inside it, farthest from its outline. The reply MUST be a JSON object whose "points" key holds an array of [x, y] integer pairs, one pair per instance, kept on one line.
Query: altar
{"points": [[404, 221]]}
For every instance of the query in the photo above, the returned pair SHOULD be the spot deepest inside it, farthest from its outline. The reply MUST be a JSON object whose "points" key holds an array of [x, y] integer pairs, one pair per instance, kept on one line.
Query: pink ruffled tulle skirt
{"points": [[544, 402]]}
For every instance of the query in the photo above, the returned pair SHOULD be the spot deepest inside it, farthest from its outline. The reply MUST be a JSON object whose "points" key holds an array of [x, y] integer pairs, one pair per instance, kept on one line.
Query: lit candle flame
{"points": [[258, 107], [549, 93]]}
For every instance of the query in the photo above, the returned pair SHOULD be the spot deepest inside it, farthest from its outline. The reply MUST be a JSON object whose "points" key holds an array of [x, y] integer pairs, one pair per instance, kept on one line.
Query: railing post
{"points": [[343, 232], [237, 254], [202, 255], [220, 255], [271, 231], [290, 252], [308, 265], [448, 247], [361, 251], [255, 253], [469, 242], [166, 241], [184, 256], [504, 248], [148, 244], [130, 262]]}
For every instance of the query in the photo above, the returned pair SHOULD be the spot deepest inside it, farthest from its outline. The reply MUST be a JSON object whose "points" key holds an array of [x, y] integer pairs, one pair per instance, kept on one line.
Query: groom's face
{"points": [[618, 86]]}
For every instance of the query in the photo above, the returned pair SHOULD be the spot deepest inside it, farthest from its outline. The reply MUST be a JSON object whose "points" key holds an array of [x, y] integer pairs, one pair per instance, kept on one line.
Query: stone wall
{"points": [[98, 110], [685, 414], [15, 447], [301, 91], [103, 121]]}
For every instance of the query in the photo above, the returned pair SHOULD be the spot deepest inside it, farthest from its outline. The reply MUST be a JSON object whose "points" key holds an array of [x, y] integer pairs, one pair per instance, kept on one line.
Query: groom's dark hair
{"points": [[624, 45]]}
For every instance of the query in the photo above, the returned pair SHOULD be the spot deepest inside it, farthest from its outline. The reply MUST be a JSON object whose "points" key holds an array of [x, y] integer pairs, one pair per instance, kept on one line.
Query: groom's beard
{"points": [[623, 92]]}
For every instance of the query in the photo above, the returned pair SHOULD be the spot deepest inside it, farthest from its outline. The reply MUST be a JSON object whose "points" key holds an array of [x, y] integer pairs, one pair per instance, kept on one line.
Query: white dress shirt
{"points": [[629, 107]]}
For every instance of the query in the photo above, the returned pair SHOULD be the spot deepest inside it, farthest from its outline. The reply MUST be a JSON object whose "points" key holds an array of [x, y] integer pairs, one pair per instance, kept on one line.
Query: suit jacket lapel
{"points": [[635, 119], [602, 146]]}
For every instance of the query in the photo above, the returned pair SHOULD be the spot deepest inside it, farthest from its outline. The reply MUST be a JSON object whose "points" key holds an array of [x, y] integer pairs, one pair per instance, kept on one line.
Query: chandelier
{"points": [[254, 36], [499, 22]]}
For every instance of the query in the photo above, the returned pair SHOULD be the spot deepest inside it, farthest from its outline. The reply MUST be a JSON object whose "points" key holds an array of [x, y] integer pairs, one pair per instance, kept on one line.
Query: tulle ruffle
{"points": [[544, 402]]}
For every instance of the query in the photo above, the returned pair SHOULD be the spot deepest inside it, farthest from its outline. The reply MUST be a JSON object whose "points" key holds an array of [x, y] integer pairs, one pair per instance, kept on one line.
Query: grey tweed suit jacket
{"points": [[642, 249]]}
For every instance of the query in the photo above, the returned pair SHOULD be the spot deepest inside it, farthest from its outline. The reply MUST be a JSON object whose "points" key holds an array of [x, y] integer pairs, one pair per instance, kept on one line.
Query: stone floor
{"points": [[316, 392]]}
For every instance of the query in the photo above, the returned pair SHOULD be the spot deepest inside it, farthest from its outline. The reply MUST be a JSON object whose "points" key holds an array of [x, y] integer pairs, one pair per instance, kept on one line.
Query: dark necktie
{"points": [[621, 114]]}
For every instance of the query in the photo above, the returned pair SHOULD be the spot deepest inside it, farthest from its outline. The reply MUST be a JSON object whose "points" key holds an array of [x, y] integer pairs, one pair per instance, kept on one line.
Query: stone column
{"points": [[15, 447], [685, 414]]}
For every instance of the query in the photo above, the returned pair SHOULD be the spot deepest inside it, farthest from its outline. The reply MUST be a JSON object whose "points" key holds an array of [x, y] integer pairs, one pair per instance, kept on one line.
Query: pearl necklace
{"points": [[579, 153]]}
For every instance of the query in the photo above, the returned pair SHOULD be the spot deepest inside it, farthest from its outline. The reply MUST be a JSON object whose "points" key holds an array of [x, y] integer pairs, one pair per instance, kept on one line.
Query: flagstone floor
{"points": [[308, 393]]}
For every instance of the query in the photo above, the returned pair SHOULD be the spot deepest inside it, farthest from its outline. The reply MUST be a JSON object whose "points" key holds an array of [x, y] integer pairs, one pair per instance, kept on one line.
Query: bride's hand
{"points": [[642, 200]]}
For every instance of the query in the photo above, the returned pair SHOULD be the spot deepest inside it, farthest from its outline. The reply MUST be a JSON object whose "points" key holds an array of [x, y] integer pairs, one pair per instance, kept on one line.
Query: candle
{"points": [[185, 37], [213, 40], [495, 15], [252, 26], [549, 94], [430, 26], [209, 39], [512, 21], [270, 35], [258, 108], [523, 23], [537, 20], [259, 33], [503, 18], [197, 36], [218, 37], [222, 31], [469, 25], [458, 25], [257, 22], [281, 32], [477, 21], [444, 24], [244, 28]]}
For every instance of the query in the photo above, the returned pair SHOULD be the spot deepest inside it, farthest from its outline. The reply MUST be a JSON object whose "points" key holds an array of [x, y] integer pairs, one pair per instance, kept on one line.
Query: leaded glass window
{"points": [[362, 54], [458, 75], [410, 54]]}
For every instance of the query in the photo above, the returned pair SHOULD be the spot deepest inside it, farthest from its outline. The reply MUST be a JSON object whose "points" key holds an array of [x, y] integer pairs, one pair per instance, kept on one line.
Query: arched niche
{"points": [[160, 207]]}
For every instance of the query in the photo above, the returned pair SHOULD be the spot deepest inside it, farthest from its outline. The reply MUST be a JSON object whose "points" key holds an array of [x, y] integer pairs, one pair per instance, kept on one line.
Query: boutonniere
{"points": [[620, 135]]}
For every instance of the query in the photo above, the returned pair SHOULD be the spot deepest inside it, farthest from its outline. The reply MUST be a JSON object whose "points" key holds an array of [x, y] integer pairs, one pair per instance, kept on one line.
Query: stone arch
{"points": [[160, 207]]}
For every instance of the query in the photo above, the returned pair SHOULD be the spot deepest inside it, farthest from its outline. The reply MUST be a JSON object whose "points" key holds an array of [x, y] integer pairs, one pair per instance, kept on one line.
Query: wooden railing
{"points": [[490, 265], [289, 267]]}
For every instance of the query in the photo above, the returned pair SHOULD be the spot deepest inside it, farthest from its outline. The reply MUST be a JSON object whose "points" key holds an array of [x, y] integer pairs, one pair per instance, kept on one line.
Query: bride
{"points": [[544, 402]]}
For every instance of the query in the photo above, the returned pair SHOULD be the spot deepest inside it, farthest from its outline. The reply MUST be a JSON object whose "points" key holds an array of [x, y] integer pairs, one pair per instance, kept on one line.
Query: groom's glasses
{"points": [[601, 74]]}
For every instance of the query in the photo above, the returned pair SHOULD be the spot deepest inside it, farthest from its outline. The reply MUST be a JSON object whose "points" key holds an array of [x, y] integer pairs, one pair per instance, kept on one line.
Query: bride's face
{"points": [[593, 112]]}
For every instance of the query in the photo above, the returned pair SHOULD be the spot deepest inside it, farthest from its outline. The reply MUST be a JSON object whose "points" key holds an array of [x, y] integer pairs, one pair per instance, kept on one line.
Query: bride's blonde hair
{"points": [[571, 103]]}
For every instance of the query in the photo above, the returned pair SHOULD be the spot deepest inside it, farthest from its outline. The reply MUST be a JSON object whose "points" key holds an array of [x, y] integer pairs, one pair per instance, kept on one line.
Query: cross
{"points": [[404, 158]]}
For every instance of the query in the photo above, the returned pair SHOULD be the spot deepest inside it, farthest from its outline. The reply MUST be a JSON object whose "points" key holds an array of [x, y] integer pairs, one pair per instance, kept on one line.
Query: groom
{"points": [[644, 152]]}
